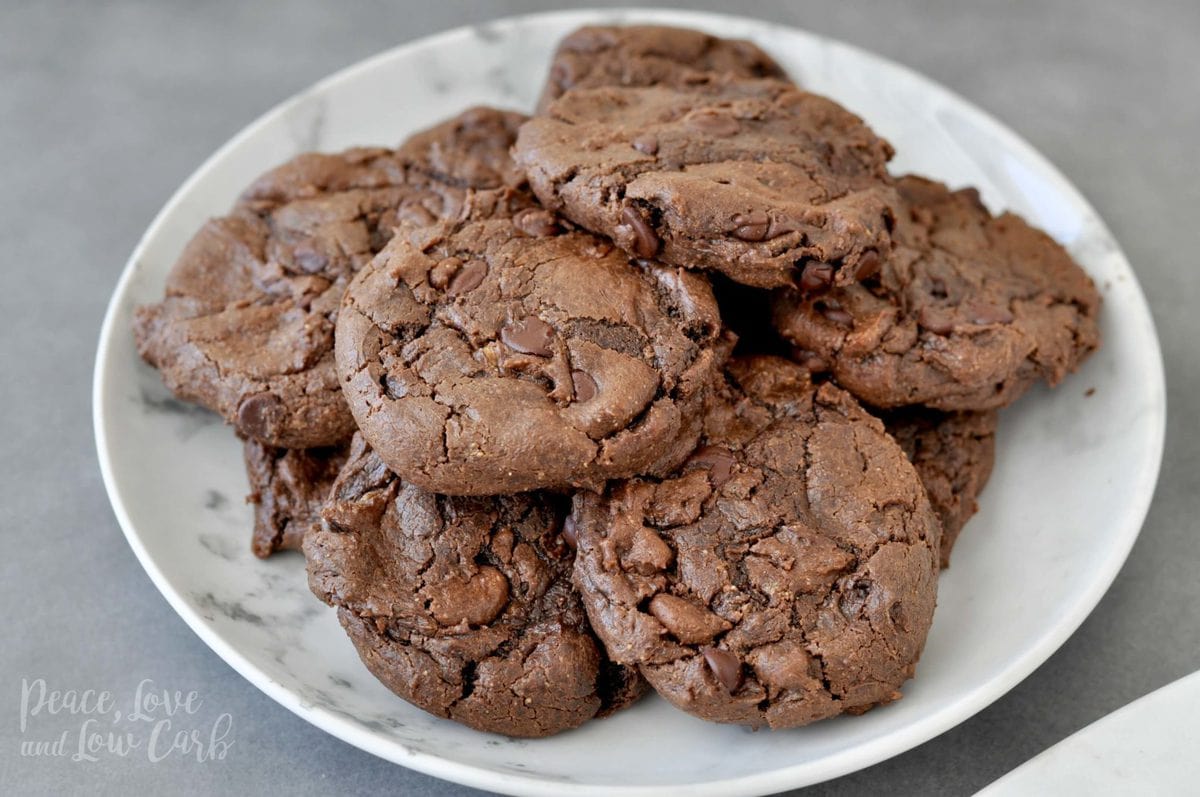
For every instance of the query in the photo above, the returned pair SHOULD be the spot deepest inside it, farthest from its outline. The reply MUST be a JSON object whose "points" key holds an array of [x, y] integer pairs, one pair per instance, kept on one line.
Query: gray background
{"points": [[106, 108]]}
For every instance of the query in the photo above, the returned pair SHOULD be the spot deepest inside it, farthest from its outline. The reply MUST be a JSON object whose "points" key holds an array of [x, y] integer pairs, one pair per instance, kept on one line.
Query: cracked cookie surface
{"points": [[496, 355], [953, 453], [246, 325], [758, 179], [288, 488], [785, 574], [968, 312], [463, 606], [649, 55]]}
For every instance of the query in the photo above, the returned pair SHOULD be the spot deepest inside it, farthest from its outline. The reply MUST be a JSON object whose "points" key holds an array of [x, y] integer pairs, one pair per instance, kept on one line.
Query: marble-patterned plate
{"points": [[1076, 466]]}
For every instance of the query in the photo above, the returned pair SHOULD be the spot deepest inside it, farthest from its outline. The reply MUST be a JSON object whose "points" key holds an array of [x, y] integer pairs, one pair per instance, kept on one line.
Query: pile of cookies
{"points": [[670, 384]]}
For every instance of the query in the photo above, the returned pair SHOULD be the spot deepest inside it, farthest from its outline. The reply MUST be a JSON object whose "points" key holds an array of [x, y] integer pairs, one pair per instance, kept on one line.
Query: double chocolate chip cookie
{"points": [[288, 489], [757, 179], [246, 327], [786, 573], [967, 313], [463, 606], [496, 355], [650, 55], [953, 453]]}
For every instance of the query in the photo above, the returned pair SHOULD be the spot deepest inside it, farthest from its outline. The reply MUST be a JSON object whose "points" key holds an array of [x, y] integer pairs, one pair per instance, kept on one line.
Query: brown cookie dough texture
{"points": [[650, 55], [953, 454], [785, 574], [463, 606], [969, 311], [492, 356], [246, 326], [754, 178], [288, 488]]}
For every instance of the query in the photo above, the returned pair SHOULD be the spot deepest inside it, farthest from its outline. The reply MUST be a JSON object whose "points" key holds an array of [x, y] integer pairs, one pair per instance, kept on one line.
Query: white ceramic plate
{"points": [[1147, 747], [1072, 483]]}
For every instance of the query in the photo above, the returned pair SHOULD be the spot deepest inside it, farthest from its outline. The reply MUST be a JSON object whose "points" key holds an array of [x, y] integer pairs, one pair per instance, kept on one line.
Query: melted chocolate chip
{"points": [[568, 532], [751, 226], [647, 144], [443, 271], [816, 277], [531, 335], [715, 124], [868, 264], [719, 462], [258, 414], [536, 222], [936, 320], [645, 239], [837, 315], [855, 599], [810, 360], [983, 314], [585, 386], [725, 666], [468, 277], [310, 260], [418, 214]]}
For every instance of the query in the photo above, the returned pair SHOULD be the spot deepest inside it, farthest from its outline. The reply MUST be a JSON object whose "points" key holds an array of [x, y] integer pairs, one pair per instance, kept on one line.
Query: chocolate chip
{"points": [[442, 271], [937, 320], [647, 144], [417, 214], [259, 414], [585, 386], [854, 599], [689, 623], [725, 666], [751, 226], [476, 600], [898, 616], [810, 360], [531, 335], [713, 123], [468, 278], [816, 277], [868, 264], [782, 225], [983, 314], [645, 239], [309, 259], [536, 222], [719, 462], [568, 532], [836, 314]]}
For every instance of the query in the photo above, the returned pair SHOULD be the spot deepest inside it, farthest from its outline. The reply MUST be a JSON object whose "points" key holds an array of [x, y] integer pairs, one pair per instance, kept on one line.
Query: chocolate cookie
{"points": [[650, 55], [463, 606], [953, 454], [785, 574], [754, 178], [969, 311], [492, 356], [246, 327], [288, 488]]}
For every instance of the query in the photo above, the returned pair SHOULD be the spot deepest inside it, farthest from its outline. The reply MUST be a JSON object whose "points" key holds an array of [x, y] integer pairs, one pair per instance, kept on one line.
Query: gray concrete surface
{"points": [[106, 107]]}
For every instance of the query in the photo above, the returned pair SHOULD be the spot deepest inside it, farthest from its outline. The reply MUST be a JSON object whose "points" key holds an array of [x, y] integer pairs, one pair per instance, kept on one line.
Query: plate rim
{"points": [[835, 765]]}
